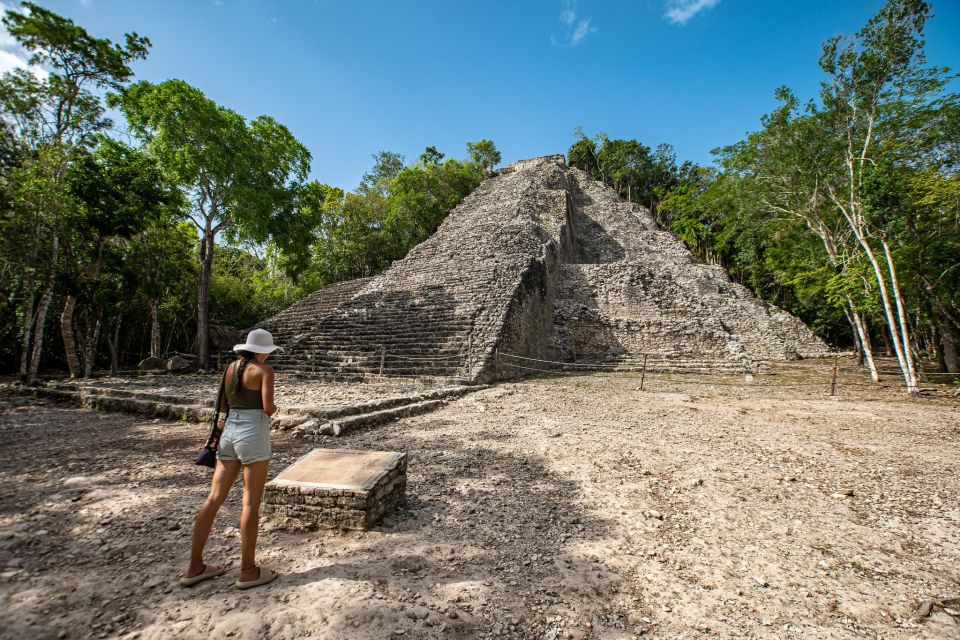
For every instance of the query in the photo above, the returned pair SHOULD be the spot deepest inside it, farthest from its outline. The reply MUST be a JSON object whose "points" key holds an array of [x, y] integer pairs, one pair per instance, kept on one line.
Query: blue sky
{"points": [[351, 77]]}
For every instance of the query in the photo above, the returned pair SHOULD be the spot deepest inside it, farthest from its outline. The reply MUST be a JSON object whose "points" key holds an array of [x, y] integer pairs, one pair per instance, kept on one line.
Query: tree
{"points": [[119, 191], [422, 195], [629, 167], [240, 178], [161, 259], [52, 116], [62, 108], [786, 163], [387, 165], [484, 153], [431, 155], [31, 231], [393, 209], [877, 94]]}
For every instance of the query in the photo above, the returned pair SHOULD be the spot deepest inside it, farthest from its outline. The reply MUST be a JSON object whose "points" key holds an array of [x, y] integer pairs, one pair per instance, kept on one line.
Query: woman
{"points": [[245, 444]]}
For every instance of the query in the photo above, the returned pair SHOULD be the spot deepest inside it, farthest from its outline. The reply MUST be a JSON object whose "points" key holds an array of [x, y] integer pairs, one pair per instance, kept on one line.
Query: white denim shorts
{"points": [[246, 436]]}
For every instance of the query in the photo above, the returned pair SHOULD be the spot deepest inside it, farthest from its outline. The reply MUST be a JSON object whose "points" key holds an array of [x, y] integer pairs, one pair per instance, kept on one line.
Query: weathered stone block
{"points": [[337, 489], [151, 364]]}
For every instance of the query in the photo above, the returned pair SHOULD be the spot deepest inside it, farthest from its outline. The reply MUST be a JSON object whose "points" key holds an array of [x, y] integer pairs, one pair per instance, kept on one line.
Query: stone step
{"points": [[147, 407], [376, 341], [384, 416], [371, 351], [372, 371], [152, 396], [327, 413], [299, 372], [385, 331]]}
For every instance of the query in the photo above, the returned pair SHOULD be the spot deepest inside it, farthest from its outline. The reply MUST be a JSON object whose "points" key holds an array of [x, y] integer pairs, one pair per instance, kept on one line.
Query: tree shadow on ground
{"points": [[486, 534]]}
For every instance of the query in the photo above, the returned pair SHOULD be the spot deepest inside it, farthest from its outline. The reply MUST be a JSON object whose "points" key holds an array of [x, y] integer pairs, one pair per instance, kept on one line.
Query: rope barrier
{"points": [[564, 364], [458, 356], [750, 385], [667, 377]]}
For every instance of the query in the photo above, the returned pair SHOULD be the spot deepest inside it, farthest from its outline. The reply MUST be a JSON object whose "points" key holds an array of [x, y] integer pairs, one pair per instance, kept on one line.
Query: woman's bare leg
{"points": [[224, 476], [254, 479]]}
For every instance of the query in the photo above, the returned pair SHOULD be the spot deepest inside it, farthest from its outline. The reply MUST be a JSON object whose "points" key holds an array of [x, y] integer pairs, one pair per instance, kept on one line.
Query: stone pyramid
{"points": [[539, 265]]}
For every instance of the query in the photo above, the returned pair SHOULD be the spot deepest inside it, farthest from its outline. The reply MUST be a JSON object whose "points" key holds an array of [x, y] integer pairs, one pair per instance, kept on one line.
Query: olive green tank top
{"points": [[239, 397]]}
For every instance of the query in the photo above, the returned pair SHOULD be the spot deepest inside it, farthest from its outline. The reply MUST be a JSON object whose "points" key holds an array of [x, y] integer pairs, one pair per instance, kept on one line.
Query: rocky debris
{"points": [[508, 532], [539, 262], [182, 364], [152, 364]]}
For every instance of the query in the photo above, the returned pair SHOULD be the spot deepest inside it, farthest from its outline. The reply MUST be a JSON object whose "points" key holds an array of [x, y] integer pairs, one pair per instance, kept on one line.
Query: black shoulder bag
{"points": [[208, 455]]}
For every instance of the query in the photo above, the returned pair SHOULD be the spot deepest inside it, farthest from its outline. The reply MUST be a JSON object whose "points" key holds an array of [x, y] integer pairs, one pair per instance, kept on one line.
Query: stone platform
{"points": [[321, 407], [337, 489]]}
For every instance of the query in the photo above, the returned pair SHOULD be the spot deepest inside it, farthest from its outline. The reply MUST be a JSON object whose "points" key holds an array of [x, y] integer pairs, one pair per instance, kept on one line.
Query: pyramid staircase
{"points": [[539, 268]]}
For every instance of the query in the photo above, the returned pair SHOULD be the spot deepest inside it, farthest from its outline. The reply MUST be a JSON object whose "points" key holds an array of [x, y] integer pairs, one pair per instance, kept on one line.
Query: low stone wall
{"points": [[337, 489]]}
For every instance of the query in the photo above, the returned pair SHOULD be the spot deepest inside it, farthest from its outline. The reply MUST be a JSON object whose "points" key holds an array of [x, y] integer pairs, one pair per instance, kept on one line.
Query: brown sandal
{"points": [[208, 572], [267, 574]]}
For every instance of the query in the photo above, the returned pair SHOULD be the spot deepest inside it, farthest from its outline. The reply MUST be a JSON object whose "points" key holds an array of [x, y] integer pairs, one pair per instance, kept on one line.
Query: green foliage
{"points": [[636, 172], [799, 205], [360, 234], [241, 178], [484, 154], [63, 106], [246, 288]]}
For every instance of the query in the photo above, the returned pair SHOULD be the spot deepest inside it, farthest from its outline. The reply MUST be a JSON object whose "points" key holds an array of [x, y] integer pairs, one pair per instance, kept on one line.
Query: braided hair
{"points": [[246, 357]]}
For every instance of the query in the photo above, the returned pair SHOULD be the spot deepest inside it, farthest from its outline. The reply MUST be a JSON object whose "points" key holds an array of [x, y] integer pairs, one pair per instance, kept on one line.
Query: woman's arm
{"points": [[266, 388], [223, 399]]}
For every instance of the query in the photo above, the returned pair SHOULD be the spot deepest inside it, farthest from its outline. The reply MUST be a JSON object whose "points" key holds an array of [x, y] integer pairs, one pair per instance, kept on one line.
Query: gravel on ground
{"points": [[566, 507]]}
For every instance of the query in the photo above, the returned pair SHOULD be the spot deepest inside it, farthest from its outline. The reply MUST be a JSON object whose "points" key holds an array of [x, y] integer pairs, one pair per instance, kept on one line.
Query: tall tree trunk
{"points": [[26, 339], [901, 343], [948, 347], [154, 328], [90, 347], [910, 370], [69, 340], [42, 310], [203, 298], [935, 347], [862, 335], [113, 343]]}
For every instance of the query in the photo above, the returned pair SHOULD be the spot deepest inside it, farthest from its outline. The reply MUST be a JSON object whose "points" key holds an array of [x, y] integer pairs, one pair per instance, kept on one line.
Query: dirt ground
{"points": [[576, 507]]}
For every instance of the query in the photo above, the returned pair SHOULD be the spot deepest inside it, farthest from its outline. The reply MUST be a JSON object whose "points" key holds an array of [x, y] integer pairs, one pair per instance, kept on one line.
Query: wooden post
{"points": [[383, 355], [643, 372], [833, 378], [469, 353]]}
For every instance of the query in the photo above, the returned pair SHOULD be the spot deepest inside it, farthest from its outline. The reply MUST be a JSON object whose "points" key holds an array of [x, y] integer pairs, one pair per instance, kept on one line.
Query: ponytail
{"points": [[246, 357]]}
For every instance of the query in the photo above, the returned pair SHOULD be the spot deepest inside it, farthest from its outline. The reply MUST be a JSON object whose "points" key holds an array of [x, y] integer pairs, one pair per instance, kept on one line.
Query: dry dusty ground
{"points": [[574, 507]]}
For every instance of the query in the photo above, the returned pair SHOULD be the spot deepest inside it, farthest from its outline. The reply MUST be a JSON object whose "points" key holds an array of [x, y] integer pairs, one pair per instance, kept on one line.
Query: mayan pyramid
{"points": [[539, 265]]}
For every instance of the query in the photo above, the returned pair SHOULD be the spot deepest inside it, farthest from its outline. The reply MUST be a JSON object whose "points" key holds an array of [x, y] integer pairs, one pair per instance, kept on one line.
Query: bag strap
{"points": [[215, 432]]}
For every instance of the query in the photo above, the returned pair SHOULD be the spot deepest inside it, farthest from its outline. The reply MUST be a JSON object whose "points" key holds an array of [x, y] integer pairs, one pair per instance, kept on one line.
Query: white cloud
{"points": [[86, 3], [577, 28], [583, 28], [679, 12], [12, 55], [10, 61]]}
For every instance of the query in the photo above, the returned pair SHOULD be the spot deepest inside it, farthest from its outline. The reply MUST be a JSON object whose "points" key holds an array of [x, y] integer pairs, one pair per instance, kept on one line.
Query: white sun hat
{"points": [[258, 341]]}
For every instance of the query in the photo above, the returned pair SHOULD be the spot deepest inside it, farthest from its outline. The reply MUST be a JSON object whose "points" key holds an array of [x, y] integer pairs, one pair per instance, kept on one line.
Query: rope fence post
{"points": [[469, 358], [833, 378], [643, 371], [383, 356]]}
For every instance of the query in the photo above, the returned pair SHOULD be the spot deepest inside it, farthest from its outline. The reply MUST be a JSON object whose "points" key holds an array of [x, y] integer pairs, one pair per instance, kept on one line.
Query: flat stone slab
{"points": [[337, 489]]}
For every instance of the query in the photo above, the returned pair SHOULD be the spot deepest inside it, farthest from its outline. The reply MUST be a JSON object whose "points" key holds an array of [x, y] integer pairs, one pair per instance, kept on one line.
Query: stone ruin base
{"points": [[337, 489]]}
